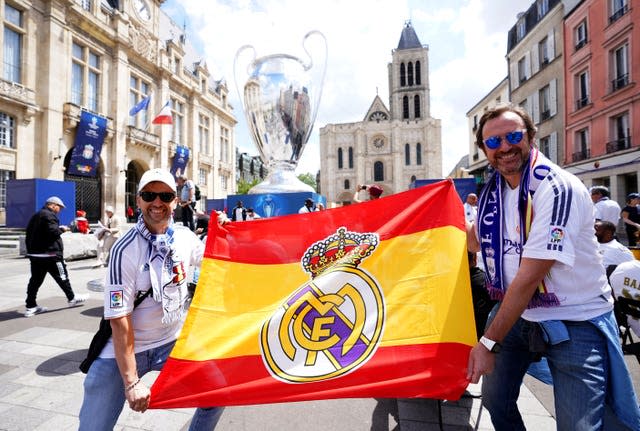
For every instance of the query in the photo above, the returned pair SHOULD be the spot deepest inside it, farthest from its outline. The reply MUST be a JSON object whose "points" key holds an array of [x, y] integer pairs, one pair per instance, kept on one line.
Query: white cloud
{"points": [[466, 38]]}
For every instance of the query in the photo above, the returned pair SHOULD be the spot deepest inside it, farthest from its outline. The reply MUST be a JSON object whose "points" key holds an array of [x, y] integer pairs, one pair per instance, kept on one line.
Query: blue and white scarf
{"points": [[167, 273], [490, 226]]}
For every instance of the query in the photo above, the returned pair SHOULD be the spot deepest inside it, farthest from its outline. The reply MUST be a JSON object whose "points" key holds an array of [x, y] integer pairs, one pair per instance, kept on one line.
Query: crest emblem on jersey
{"points": [[116, 298], [331, 325]]}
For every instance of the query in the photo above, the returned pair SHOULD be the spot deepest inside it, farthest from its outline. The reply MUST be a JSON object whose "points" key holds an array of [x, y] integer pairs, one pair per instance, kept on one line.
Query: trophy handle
{"points": [[318, 71], [241, 68]]}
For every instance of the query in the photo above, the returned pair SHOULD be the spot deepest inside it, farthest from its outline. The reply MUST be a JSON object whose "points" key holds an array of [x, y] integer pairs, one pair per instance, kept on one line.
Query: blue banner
{"points": [[86, 150], [180, 161]]}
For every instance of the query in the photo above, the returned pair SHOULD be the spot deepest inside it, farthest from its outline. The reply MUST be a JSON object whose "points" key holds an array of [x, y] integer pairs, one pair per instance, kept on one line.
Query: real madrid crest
{"points": [[331, 325]]}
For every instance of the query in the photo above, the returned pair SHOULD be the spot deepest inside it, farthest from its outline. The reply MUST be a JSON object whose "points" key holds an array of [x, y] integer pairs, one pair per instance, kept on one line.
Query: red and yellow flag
{"points": [[368, 300]]}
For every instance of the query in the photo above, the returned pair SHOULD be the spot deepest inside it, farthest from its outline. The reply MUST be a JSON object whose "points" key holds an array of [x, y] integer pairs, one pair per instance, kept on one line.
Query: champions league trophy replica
{"points": [[281, 98]]}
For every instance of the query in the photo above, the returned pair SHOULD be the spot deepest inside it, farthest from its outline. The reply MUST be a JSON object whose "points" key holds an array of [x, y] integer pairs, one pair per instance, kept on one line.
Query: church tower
{"points": [[409, 78], [392, 146]]}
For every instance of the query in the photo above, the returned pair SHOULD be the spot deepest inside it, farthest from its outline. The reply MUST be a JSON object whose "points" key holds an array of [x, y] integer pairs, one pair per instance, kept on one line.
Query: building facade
{"points": [[478, 165], [536, 80], [391, 146], [602, 42], [66, 57]]}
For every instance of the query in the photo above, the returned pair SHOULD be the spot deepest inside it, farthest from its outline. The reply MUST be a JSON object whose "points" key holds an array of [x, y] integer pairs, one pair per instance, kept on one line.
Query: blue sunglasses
{"points": [[514, 138]]}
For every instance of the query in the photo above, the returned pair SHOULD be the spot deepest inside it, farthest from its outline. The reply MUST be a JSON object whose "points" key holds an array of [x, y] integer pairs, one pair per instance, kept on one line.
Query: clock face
{"points": [[378, 142], [142, 9]]}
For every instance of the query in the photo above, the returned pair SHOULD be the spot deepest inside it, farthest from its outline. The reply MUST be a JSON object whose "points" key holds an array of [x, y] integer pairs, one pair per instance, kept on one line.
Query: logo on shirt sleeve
{"points": [[556, 238], [116, 299]]}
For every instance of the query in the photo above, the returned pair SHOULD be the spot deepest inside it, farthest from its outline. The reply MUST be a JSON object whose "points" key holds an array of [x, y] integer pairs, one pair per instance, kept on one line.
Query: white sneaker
{"points": [[77, 300], [34, 310]]}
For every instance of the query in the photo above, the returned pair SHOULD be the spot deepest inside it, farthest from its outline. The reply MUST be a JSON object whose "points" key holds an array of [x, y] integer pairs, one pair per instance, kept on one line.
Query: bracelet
{"points": [[132, 385]]}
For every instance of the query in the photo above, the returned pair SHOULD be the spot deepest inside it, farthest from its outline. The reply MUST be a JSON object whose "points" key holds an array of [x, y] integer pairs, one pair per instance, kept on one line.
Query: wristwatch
{"points": [[492, 346]]}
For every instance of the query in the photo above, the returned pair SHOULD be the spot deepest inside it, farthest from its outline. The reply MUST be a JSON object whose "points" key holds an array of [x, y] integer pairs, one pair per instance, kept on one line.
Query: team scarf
{"points": [[167, 278], [490, 226]]}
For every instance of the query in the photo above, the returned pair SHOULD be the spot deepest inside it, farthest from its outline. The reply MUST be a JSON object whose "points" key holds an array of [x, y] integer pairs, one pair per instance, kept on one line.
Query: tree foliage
{"points": [[243, 186], [309, 179]]}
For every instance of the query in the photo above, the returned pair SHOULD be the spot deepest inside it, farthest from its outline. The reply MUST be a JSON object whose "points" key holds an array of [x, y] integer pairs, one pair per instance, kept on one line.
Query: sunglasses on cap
{"points": [[165, 197], [514, 138]]}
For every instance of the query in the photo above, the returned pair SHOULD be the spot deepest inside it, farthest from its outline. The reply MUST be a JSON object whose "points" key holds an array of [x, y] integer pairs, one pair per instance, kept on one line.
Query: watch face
{"points": [[142, 9], [378, 142]]}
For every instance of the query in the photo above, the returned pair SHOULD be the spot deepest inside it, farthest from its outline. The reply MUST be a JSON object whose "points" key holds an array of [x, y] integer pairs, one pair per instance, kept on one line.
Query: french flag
{"points": [[164, 117]]}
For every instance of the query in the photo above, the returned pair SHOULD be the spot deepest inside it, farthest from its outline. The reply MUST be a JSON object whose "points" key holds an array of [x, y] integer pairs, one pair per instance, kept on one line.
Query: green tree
{"points": [[243, 186], [309, 179]]}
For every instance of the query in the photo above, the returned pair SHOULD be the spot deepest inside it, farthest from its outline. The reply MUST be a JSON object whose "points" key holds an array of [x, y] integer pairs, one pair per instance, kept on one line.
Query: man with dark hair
{"points": [[535, 232], [612, 252], [45, 251], [606, 209], [308, 206]]}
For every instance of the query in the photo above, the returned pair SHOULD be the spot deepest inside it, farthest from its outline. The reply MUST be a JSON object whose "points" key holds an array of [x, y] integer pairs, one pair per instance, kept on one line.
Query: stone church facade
{"points": [[392, 146]]}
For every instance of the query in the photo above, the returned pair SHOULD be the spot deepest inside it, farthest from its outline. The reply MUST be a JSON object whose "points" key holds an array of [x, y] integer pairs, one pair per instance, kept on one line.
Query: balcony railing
{"points": [[619, 82], [619, 13], [581, 155], [582, 102], [619, 144]]}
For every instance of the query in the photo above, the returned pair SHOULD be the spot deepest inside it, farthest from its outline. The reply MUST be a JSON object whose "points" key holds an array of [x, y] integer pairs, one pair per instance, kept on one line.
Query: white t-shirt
{"points": [[305, 210], [614, 253], [129, 274], [625, 281], [609, 210], [562, 230]]}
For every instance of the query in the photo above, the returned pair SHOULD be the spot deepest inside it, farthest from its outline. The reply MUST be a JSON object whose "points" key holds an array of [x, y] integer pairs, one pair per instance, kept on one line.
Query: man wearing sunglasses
{"points": [[154, 259], [535, 231]]}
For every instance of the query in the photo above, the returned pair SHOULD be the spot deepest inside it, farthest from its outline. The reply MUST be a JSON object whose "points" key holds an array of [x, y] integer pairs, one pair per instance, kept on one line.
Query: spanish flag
{"points": [[367, 300]]}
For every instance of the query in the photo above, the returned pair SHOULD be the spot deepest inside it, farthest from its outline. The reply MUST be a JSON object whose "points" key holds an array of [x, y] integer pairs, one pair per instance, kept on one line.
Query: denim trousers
{"points": [[104, 393], [578, 368]]}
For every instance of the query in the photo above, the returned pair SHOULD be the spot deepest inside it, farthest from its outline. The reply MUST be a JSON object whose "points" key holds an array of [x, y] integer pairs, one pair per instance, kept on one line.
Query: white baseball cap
{"points": [[160, 175], [55, 200]]}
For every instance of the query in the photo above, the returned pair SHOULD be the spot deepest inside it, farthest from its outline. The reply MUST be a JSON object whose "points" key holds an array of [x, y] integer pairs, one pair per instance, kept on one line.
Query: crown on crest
{"points": [[343, 247]]}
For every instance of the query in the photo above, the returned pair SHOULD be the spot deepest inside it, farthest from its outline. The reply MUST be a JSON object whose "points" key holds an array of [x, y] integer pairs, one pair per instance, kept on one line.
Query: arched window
{"points": [[339, 158], [347, 184], [403, 78], [416, 106], [410, 74], [418, 154], [418, 73], [350, 158], [407, 154], [378, 171], [405, 107]]}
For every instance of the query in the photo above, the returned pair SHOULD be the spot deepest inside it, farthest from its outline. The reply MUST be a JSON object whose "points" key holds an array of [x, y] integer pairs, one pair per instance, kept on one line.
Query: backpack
{"points": [[197, 192]]}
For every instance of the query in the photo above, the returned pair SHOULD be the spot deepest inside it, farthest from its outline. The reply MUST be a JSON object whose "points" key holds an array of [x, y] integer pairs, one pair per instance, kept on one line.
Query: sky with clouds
{"points": [[467, 42]]}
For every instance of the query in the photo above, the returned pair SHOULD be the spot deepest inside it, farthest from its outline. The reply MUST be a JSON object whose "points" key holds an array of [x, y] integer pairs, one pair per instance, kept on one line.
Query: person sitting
{"points": [[612, 252]]}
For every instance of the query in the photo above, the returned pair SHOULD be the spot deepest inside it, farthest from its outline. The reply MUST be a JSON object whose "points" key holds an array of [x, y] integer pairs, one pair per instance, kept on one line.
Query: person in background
{"points": [[252, 215], [45, 251], [320, 207], [375, 191], [239, 213], [107, 236], [308, 207], [471, 207], [612, 252], [544, 269], [606, 208], [625, 282], [80, 223], [155, 258], [202, 223], [631, 218], [187, 201]]}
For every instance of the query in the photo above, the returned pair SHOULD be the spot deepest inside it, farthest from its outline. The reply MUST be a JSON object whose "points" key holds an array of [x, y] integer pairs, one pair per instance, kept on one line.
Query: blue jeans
{"points": [[578, 368], [104, 393]]}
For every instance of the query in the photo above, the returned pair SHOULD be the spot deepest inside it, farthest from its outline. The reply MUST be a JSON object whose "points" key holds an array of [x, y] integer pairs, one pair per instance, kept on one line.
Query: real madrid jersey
{"points": [[562, 230]]}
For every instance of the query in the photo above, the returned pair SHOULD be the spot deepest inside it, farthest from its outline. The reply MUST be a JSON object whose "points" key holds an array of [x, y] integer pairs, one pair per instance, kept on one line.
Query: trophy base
{"points": [[283, 181]]}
